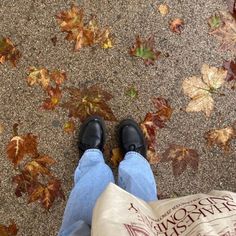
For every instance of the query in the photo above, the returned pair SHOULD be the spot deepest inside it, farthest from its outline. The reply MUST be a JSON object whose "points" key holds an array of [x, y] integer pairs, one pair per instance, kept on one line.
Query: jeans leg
{"points": [[136, 177], [91, 178]]}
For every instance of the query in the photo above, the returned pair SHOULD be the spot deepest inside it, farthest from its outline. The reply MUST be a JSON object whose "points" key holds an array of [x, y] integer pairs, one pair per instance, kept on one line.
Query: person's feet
{"points": [[92, 134], [131, 137]]}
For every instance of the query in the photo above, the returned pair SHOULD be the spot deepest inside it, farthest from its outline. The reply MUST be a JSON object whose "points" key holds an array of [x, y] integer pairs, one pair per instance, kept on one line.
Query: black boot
{"points": [[92, 134], [131, 138]]}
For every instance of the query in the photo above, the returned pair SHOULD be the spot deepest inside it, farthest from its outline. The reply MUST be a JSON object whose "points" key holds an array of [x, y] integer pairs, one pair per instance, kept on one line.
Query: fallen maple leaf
{"points": [[38, 76], [69, 126], [226, 33], [144, 49], [221, 137], [54, 98], [156, 120], [10, 230], [72, 22], [89, 101], [164, 9], [116, 157], [153, 122], [200, 89], [8, 51], [181, 157], [46, 194], [177, 25], [39, 165], [20, 146]]}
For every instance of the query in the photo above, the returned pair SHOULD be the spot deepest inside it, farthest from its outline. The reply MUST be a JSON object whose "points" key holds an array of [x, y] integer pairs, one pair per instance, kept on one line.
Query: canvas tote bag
{"points": [[118, 213]]}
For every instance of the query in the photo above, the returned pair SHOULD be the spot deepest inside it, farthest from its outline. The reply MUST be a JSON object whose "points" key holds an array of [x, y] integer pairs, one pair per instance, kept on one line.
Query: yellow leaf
{"points": [[164, 9]]}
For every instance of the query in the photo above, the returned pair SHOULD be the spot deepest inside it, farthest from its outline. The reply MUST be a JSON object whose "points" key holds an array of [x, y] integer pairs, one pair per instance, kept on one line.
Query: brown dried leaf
{"points": [[177, 25], [221, 137], [8, 51], [20, 146], [55, 95], [10, 230], [200, 89], [145, 50], [39, 165], [157, 120], [47, 194], [226, 33], [181, 157], [116, 157], [89, 101], [72, 22]]}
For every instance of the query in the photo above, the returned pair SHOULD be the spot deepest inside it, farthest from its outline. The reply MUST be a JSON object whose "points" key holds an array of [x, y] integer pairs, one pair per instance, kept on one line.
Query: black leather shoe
{"points": [[92, 134], [131, 137]]}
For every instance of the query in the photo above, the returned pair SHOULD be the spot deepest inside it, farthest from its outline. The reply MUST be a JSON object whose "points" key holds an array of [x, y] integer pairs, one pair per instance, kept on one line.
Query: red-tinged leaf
{"points": [[47, 194], [20, 146], [230, 66], [69, 126], [10, 230], [157, 120], [8, 51], [89, 101], [145, 50], [55, 95], [177, 25], [164, 110], [181, 157], [58, 77], [149, 129]]}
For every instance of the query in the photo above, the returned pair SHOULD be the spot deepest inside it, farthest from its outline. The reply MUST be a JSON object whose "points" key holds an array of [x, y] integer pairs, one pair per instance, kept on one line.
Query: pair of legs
{"points": [[92, 175]]}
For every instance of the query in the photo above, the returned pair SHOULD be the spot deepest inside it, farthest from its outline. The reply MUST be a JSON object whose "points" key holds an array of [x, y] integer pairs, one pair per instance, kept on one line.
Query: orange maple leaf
{"points": [[46, 194]]}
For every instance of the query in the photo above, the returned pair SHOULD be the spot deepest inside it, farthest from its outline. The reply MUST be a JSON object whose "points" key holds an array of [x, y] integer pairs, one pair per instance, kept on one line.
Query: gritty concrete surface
{"points": [[31, 25]]}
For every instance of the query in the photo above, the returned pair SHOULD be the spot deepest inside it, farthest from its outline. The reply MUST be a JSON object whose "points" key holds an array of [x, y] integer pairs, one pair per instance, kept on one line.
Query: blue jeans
{"points": [[92, 177]]}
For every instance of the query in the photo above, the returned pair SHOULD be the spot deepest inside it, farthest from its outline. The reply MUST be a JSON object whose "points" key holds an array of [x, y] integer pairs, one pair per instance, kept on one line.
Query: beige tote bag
{"points": [[118, 213]]}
